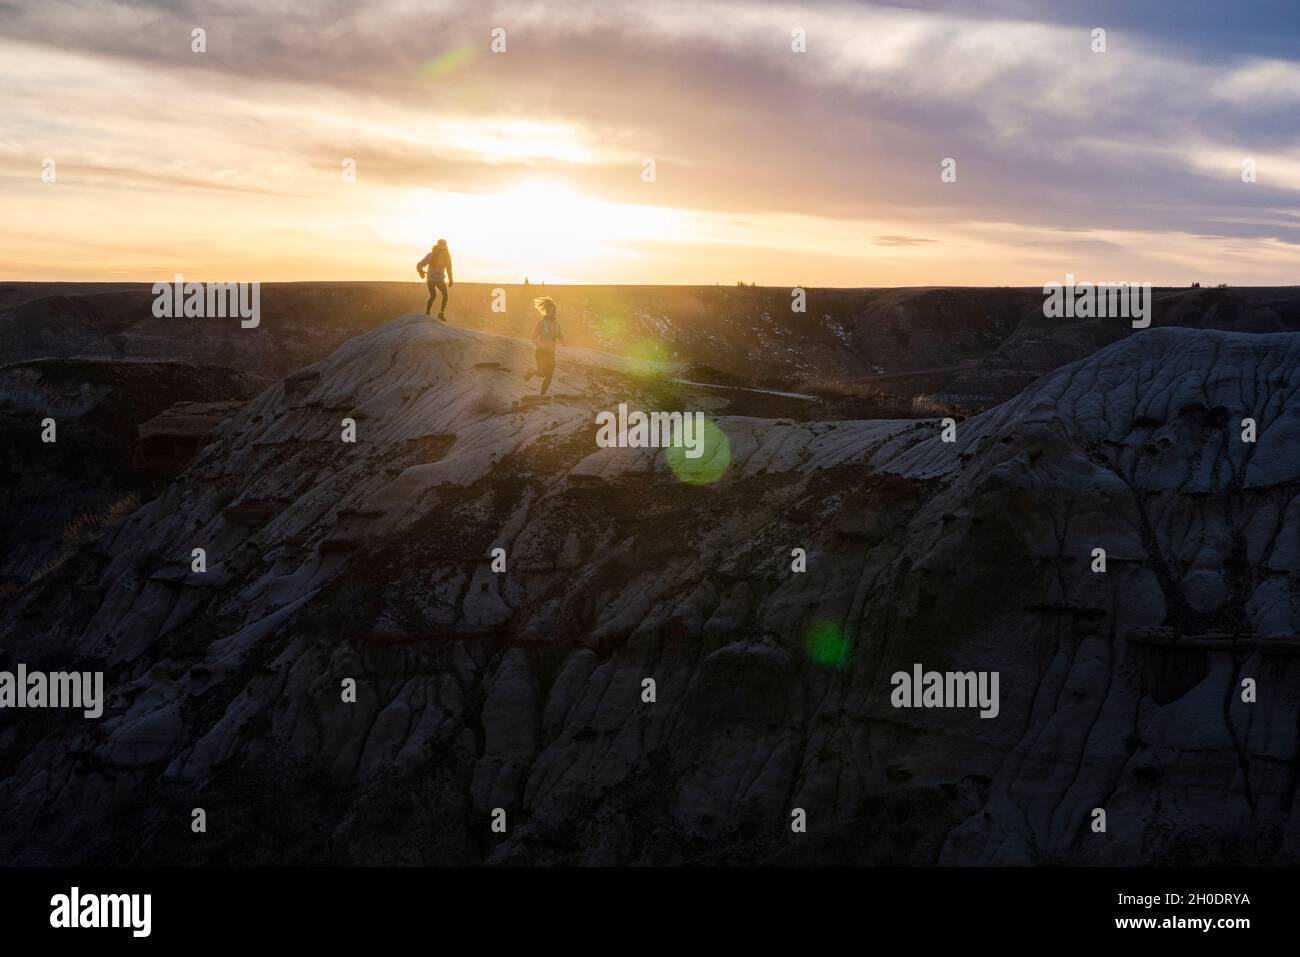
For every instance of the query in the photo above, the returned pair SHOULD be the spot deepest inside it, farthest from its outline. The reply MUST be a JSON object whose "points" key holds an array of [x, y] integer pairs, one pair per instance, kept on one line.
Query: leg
{"points": [[545, 367], [432, 293], [442, 287]]}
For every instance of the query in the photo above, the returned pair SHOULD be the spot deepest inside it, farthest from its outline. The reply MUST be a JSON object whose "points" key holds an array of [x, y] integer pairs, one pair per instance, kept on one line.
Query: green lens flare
{"points": [[648, 350], [610, 328], [715, 456], [827, 645], [447, 63]]}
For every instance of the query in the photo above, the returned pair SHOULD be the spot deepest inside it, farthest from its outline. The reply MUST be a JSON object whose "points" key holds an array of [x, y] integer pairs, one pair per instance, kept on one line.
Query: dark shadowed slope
{"points": [[523, 690], [57, 495]]}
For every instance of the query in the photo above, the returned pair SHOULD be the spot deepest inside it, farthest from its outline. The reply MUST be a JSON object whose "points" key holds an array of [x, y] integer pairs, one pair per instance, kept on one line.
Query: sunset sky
{"points": [[775, 167]]}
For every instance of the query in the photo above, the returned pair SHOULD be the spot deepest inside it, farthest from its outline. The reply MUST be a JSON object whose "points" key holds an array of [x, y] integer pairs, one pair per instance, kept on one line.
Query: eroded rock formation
{"points": [[522, 690]]}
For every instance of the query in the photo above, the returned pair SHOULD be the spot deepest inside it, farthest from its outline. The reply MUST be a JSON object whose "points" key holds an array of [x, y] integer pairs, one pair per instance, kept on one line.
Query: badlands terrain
{"points": [[522, 689]]}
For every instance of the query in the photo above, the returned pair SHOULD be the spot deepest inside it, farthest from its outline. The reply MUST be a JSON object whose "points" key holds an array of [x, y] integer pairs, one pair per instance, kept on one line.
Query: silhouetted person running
{"points": [[439, 265], [546, 335]]}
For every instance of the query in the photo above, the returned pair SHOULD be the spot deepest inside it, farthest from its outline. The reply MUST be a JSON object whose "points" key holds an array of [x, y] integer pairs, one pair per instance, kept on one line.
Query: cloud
{"points": [[899, 241], [1260, 85], [844, 140]]}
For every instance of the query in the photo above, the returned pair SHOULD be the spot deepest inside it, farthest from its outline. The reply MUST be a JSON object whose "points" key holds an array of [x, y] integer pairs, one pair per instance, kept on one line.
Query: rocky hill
{"points": [[58, 493], [969, 348], [523, 689]]}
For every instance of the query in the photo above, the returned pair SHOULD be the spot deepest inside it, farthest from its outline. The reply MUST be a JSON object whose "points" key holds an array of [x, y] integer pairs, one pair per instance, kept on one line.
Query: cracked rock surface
{"points": [[522, 690]]}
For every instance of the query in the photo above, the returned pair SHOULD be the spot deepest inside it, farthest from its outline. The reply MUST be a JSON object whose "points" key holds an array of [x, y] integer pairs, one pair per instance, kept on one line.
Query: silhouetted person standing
{"points": [[546, 335], [438, 263]]}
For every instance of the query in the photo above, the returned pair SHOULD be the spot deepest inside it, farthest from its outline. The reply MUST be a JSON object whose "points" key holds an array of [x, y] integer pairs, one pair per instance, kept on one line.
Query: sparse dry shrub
{"points": [[838, 388], [84, 528], [930, 405], [88, 525]]}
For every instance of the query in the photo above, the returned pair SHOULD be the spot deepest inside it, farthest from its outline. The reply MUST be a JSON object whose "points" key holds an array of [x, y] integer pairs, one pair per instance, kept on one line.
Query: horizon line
{"points": [[624, 285]]}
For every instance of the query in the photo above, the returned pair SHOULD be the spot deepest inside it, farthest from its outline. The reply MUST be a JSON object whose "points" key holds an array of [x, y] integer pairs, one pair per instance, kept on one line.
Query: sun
{"points": [[546, 208], [532, 227], [541, 194]]}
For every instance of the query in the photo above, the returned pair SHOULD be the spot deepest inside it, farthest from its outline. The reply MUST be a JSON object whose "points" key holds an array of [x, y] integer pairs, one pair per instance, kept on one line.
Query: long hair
{"points": [[545, 305]]}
